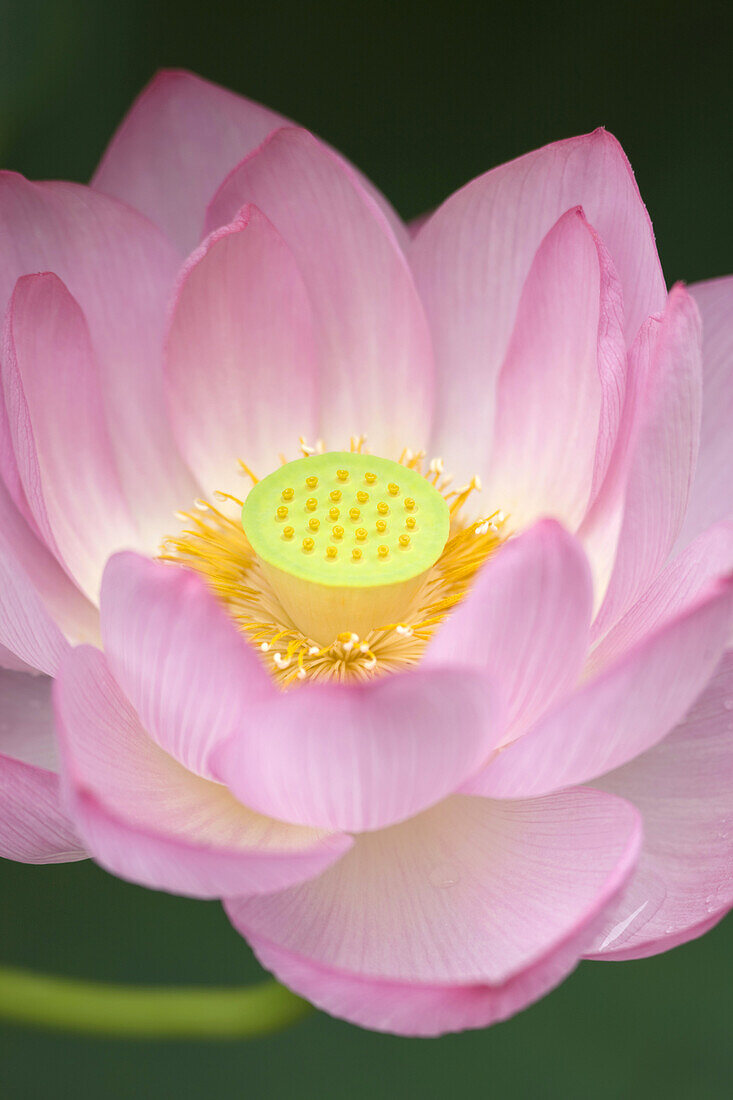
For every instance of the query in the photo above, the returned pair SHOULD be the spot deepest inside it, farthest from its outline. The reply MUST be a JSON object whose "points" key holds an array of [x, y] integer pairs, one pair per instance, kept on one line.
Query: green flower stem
{"points": [[146, 1012]]}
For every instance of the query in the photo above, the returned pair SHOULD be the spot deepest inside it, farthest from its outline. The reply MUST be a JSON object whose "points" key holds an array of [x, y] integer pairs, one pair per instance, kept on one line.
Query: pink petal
{"points": [[65, 458], [363, 756], [711, 498], [372, 337], [622, 712], [240, 358], [26, 628], [33, 828], [473, 256], [120, 269], [708, 558], [471, 910], [146, 818], [525, 622], [560, 390], [640, 509], [26, 555], [178, 657], [684, 789], [179, 140]]}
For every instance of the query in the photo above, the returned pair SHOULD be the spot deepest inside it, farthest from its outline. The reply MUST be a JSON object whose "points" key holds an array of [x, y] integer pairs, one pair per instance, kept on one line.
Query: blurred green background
{"points": [[422, 97]]}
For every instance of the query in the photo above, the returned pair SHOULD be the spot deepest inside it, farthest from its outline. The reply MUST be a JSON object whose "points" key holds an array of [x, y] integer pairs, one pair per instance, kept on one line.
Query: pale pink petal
{"points": [[65, 458], [26, 628], [9, 661], [560, 389], [473, 256], [474, 908], [179, 658], [525, 622], [146, 818], [640, 509], [240, 367], [372, 338], [620, 713], [711, 498], [361, 757], [709, 557], [179, 140], [33, 829], [76, 617], [684, 789], [120, 269]]}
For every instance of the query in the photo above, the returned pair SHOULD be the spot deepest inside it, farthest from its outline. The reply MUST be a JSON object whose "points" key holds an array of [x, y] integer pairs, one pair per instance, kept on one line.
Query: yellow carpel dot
{"points": [[323, 593], [409, 504], [288, 532], [288, 494], [410, 523], [282, 512], [312, 482]]}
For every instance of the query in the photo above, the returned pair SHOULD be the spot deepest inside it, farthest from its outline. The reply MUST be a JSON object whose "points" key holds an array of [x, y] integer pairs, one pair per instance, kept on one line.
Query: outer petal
{"points": [[120, 269], [26, 555], [625, 710], [372, 337], [26, 628], [33, 828], [472, 257], [711, 498], [189, 673], [362, 757], [684, 789], [240, 359], [641, 507], [146, 818], [65, 459], [526, 622], [560, 390], [179, 140], [468, 911]]}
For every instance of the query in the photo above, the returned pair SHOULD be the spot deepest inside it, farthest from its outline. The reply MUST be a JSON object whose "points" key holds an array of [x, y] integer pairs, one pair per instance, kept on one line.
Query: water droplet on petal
{"points": [[443, 876]]}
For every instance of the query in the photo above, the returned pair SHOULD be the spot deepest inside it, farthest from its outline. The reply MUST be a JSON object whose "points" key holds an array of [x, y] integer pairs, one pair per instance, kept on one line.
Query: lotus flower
{"points": [[384, 576]]}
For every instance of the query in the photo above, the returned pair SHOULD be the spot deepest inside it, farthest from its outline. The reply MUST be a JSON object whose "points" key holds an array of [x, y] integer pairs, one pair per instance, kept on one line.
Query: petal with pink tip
{"points": [[240, 368], [471, 910], [65, 459], [641, 507], [190, 674], [711, 498], [620, 713], [33, 828], [146, 818], [372, 338], [120, 269], [360, 757], [177, 143], [684, 790], [560, 389], [525, 622], [472, 257]]}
